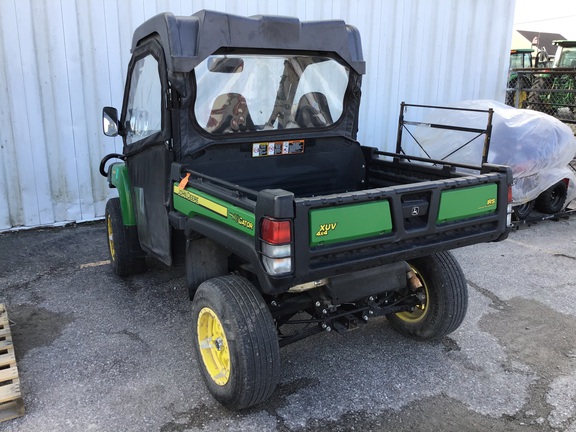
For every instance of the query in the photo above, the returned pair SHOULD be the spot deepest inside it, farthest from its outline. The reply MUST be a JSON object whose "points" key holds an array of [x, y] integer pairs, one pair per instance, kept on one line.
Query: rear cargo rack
{"points": [[403, 123]]}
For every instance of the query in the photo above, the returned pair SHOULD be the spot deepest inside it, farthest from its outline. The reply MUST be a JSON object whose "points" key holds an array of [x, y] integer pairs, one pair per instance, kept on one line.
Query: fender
{"points": [[118, 178]]}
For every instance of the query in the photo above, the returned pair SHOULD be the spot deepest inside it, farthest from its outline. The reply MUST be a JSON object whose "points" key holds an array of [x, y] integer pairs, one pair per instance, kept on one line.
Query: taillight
{"points": [[509, 207], [276, 246], [276, 232]]}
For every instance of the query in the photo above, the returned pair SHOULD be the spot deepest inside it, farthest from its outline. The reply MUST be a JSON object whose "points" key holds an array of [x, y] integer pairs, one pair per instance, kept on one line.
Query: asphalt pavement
{"points": [[100, 353]]}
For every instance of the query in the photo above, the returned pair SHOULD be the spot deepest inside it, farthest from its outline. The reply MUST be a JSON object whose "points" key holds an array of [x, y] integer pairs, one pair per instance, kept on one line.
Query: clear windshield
{"points": [[246, 93], [520, 60], [567, 58]]}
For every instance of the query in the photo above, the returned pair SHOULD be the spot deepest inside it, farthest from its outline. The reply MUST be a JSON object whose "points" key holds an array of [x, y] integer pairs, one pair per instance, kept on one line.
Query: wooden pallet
{"points": [[11, 403]]}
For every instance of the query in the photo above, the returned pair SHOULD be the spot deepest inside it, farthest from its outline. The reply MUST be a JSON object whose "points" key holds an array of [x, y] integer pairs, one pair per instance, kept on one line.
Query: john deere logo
{"points": [[415, 211]]}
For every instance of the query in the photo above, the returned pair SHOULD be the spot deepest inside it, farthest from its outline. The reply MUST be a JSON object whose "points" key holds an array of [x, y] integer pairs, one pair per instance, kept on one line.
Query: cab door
{"points": [[147, 136]]}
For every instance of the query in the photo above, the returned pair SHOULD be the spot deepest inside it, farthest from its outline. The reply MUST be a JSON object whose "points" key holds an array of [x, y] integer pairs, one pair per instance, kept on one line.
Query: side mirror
{"points": [[110, 121]]}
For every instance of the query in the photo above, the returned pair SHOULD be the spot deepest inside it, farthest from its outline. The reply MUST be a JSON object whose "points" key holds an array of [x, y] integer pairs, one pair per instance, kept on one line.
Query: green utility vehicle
{"points": [[240, 160]]}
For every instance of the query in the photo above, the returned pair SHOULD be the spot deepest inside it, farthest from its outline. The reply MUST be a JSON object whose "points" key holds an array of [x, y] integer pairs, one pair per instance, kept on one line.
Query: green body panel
{"points": [[349, 222], [120, 180], [469, 202], [192, 202]]}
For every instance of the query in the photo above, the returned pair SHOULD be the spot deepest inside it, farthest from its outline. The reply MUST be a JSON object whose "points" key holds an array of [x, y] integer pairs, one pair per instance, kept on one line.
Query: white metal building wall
{"points": [[62, 60]]}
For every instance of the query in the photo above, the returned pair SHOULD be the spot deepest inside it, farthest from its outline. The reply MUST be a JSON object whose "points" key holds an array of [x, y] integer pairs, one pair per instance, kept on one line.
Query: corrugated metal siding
{"points": [[61, 61]]}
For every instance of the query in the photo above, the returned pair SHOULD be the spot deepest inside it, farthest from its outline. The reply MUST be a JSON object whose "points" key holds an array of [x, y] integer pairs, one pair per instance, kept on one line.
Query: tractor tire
{"points": [[552, 199], [126, 256], [235, 341], [522, 211], [443, 299], [537, 95]]}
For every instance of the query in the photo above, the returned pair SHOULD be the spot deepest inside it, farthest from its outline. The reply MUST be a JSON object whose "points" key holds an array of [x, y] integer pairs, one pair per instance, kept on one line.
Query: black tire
{"points": [[552, 199], [444, 299], [235, 341], [521, 212], [538, 95], [126, 256]]}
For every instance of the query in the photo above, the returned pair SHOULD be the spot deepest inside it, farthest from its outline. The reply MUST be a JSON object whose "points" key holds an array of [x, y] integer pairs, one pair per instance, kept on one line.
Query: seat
{"points": [[229, 114], [313, 111]]}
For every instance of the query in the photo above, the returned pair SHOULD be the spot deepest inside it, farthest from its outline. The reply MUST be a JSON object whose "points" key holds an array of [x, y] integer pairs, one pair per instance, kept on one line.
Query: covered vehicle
{"points": [[537, 146]]}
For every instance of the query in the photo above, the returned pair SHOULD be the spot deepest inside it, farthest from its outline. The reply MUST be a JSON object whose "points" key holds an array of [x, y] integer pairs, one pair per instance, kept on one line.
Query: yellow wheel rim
{"points": [[213, 346], [110, 237], [421, 308]]}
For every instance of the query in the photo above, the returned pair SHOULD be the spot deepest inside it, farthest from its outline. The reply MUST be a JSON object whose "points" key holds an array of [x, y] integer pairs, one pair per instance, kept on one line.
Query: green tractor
{"points": [[516, 90], [554, 91], [521, 59], [565, 54], [565, 59]]}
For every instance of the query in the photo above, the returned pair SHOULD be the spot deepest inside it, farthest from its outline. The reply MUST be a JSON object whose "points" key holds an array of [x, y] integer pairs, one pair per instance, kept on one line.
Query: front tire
{"points": [[126, 256], [235, 341], [442, 299]]}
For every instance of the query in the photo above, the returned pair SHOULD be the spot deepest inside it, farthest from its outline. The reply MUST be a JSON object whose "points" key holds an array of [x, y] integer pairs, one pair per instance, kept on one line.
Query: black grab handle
{"points": [[106, 159]]}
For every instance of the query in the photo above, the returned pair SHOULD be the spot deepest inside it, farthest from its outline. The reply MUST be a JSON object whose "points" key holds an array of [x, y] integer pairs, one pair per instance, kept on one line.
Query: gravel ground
{"points": [[96, 352]]}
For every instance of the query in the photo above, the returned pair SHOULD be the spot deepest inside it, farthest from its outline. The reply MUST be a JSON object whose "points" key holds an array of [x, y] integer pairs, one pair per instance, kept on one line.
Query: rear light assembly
{"points": [[509, 207], [276, 246]]}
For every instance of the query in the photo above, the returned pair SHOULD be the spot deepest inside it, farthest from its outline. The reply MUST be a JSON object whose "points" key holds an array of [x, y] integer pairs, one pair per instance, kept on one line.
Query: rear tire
{"points": [[522, 211], [126, 256], [538, 94], [444, 299], [552, 199], [235, 341]]}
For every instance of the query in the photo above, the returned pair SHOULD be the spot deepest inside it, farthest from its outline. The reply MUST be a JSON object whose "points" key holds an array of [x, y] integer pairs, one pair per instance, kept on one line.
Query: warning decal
{"points": [[277, 148]]}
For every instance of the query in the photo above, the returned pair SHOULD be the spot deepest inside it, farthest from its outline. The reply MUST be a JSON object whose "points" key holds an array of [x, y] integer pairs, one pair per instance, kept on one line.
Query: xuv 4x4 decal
{"points": [[326, 228]]}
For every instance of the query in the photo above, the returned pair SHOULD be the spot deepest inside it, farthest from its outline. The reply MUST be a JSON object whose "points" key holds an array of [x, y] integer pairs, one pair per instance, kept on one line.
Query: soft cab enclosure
{"points": [[208, 54]]}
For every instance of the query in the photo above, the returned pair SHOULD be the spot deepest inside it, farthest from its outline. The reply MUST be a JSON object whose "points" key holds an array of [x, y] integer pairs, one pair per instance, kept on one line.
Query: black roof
{"points": [[542, 39], [565, 43], [189, 40]]}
